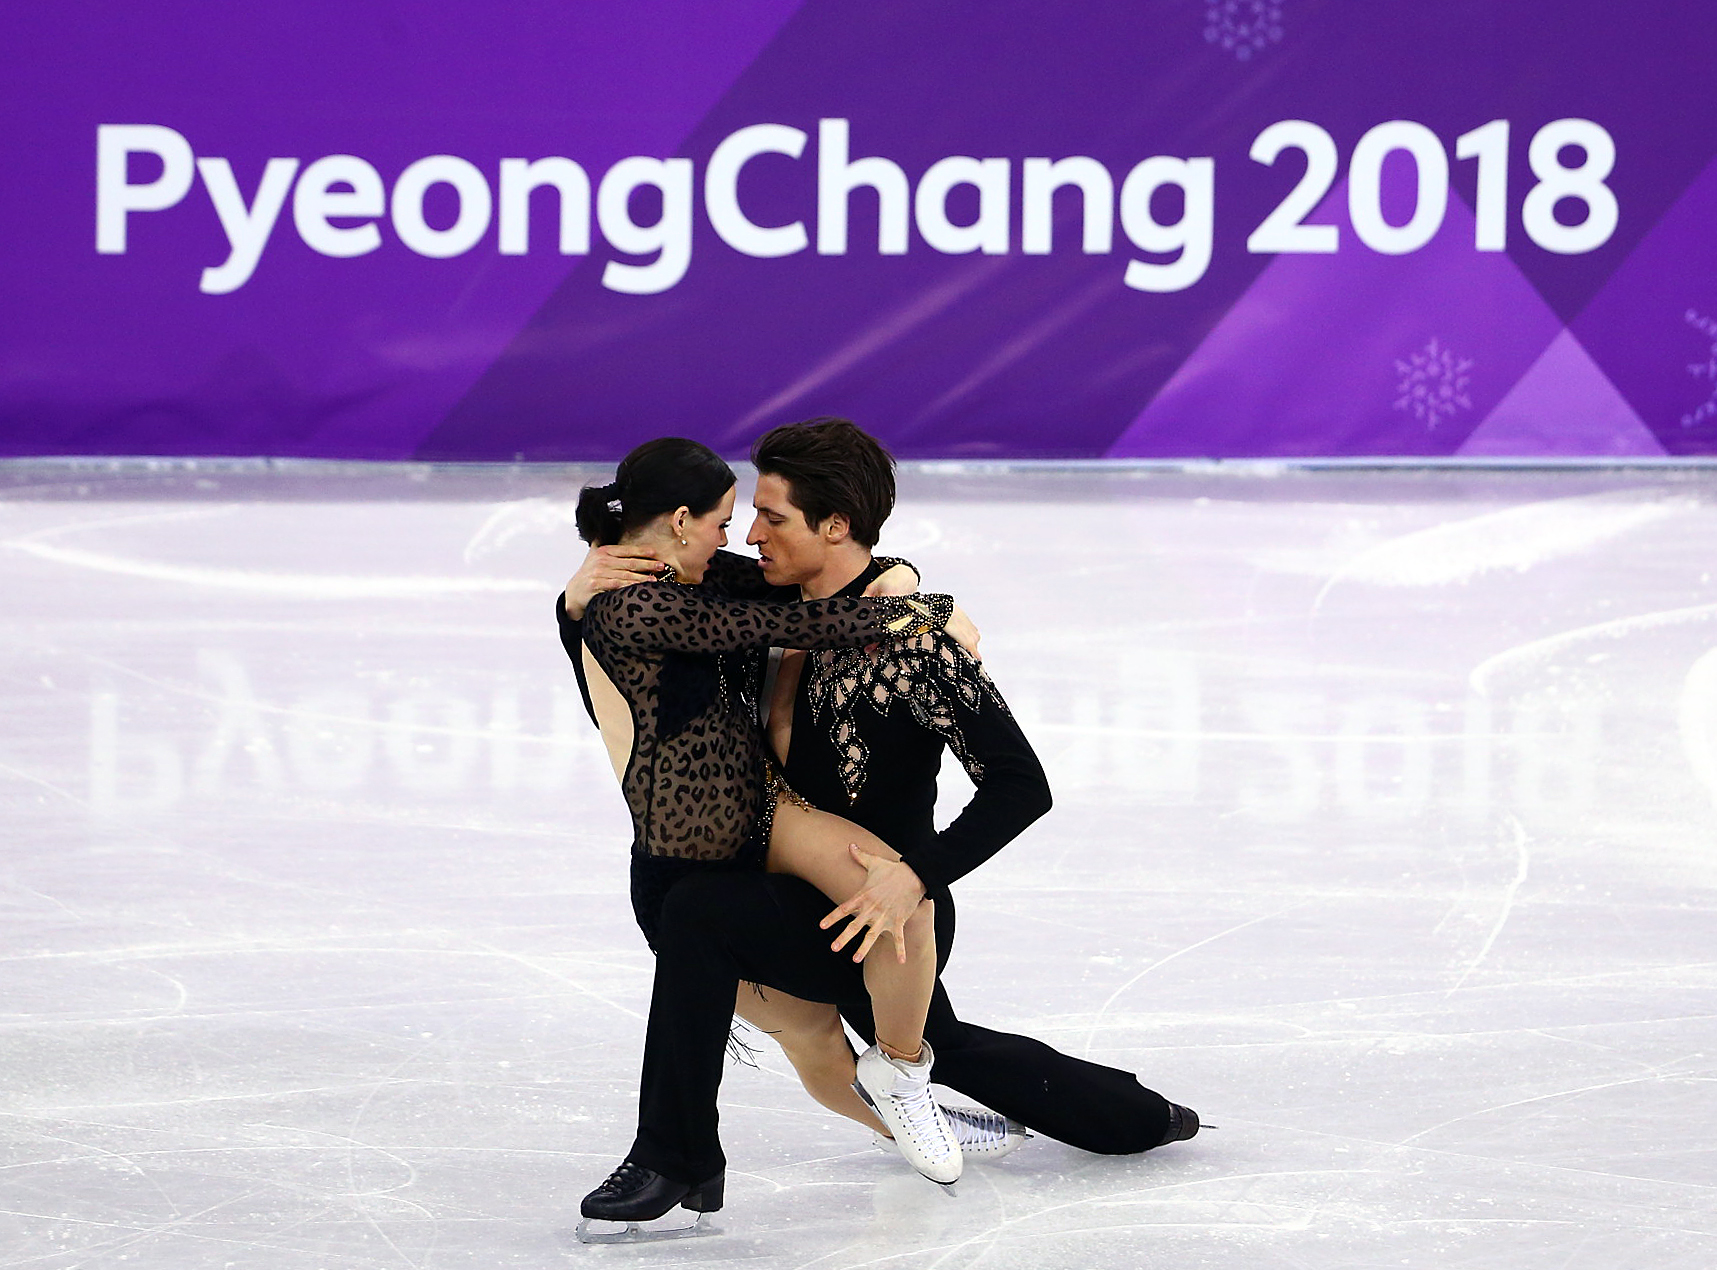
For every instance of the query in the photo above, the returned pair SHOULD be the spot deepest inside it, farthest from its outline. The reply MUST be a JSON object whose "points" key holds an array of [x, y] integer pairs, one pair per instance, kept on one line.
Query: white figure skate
{"points": [[983, 1135], [899, 1093]]}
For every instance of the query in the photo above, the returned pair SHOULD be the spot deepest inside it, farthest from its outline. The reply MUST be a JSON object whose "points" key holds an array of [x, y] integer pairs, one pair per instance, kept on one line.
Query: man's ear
{"points": [[836, 529]]}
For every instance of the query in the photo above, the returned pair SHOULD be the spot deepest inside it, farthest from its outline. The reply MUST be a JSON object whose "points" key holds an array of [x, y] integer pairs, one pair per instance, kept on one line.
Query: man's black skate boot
{"points": [[633, 1193], [1183, 1124]]}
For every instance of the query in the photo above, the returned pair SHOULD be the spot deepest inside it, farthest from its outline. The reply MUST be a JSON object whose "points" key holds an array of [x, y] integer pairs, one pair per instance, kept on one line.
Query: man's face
{"points": [[791, 550]]}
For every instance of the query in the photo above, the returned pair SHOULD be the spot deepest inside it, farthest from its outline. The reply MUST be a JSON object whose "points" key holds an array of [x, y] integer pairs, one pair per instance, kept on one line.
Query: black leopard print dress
{"points": [[698, 779]]}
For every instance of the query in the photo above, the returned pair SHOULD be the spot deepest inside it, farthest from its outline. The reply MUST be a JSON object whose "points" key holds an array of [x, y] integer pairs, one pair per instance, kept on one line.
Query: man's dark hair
{"points": [[832, 466]]}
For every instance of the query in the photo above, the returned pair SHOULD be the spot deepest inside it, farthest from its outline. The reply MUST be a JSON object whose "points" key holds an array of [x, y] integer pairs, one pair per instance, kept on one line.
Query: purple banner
{"points": [[1169, 229]]}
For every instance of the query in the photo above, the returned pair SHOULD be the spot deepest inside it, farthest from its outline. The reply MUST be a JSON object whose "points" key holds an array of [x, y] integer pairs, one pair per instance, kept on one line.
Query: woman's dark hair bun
{"points": [[659, 476], [598, 515]]}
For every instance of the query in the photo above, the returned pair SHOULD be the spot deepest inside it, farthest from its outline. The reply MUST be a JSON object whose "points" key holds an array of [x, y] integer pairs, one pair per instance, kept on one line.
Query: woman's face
{"points": [[705, 535]]}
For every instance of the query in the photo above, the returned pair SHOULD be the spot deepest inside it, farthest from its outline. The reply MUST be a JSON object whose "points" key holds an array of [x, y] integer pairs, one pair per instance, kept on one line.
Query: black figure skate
{"points": [[622, 1209], [1183, 1124]]}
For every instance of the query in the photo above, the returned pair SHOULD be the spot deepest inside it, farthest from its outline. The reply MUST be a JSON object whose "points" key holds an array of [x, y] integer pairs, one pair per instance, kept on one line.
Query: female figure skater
{"points": [[674, 672]]}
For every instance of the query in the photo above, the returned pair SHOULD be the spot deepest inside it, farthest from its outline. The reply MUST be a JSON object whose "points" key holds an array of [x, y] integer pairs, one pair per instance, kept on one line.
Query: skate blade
{"points": [[675, 1225], [947, 1188]]}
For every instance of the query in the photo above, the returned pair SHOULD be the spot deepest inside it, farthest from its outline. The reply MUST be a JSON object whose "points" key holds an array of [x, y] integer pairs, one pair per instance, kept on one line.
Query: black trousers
{"points": [[718, 929]]}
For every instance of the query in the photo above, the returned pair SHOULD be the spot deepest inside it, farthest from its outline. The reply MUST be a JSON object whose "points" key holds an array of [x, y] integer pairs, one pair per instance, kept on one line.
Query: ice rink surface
{"points": [[1384, 839]]}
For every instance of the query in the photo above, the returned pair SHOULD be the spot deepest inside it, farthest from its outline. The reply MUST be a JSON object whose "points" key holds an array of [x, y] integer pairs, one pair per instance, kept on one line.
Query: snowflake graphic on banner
{"points": [[1433, 385], [1706, 369], [1243, 27]]}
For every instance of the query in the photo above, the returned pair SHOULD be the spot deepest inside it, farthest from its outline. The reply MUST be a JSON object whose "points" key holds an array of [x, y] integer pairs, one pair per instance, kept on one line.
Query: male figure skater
{"points": [[862, 737]]}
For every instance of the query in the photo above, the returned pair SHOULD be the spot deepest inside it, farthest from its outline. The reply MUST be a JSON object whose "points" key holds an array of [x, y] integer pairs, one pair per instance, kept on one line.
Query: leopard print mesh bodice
{"points": [[685, 662]]}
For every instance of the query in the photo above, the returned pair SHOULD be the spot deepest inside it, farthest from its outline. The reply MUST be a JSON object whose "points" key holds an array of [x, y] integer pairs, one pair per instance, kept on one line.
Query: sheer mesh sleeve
{"points": [[667, 617]]}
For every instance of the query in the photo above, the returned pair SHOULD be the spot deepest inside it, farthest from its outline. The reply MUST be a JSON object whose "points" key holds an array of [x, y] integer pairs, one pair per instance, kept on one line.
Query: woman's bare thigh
{"points": [[812, 845]]}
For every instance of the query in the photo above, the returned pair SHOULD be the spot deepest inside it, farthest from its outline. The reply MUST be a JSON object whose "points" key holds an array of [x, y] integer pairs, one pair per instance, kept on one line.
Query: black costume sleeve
{"points": [[572, 639], [668, 617], [729, 575], [965, 709]]}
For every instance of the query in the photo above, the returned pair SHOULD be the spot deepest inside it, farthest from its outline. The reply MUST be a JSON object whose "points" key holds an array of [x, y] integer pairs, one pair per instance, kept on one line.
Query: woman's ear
{"points": [[677, 523]]}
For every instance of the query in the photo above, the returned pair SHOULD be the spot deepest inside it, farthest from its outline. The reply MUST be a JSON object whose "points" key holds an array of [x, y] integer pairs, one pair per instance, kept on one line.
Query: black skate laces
{"points": [[624, 1178]]}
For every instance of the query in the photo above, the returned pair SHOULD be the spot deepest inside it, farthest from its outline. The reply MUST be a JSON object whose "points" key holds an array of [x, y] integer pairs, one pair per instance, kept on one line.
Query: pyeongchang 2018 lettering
{"points": [[338, 202]]}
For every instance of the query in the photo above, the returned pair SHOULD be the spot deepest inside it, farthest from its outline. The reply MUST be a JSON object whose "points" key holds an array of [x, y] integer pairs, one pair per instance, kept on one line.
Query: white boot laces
{"points": [[977, 1129], [918, 1109]]}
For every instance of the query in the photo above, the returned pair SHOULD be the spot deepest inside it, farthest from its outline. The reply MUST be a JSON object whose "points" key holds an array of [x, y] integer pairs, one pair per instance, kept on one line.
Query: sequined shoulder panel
{"points": [[929, 675]]}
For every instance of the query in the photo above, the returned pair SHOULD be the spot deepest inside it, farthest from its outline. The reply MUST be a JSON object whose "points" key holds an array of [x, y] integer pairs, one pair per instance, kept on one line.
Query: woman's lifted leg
{"points": [[883, 900]]}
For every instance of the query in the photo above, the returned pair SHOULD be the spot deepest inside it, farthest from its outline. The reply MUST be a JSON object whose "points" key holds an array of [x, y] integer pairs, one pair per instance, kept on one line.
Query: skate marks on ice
{"points": [[1097, 1019], [1536, 653], [1506, 905], [1514, 538], [1698, 720], [47, 545]]}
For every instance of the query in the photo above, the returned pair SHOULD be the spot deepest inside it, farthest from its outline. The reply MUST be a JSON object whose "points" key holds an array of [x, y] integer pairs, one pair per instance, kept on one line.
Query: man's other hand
{"points": [[963, 632]]}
